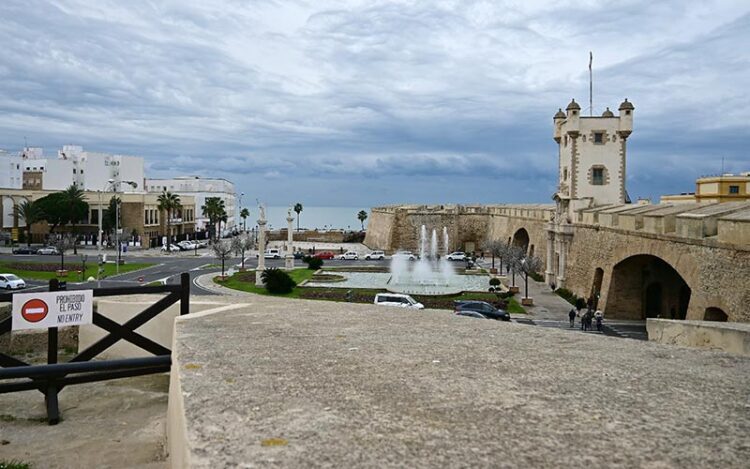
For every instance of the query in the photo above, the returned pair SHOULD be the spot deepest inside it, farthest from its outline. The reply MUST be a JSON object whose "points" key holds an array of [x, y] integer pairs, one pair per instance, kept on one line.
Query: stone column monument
{"points": [[289, 259], [261, 246]]}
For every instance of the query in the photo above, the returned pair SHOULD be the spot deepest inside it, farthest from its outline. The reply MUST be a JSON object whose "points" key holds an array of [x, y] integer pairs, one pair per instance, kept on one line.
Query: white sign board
{"points": [[52, 309]]}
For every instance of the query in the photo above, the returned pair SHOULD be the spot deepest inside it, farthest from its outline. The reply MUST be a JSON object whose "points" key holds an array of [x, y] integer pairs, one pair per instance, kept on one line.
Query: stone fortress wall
{"points": [[688, 260]]}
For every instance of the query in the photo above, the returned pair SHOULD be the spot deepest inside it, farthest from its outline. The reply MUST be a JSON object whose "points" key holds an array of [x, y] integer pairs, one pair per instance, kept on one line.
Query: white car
{"points": [[456, 256], [375, 256], [170, 248], [48, 250], [272, 253], [406, 254], [187, 245], [397, 299], [11, 282], [349, 256]]}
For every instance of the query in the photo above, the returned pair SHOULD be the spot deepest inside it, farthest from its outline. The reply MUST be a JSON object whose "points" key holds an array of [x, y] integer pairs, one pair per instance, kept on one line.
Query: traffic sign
{"points": [[52, 309], [34, 310]]}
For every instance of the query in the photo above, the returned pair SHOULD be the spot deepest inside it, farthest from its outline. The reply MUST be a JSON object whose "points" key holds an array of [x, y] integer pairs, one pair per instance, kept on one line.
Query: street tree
{"points": [[362, 216], [213, 209], [514, 257], [169, 203], [222, 251], [244, 213], [241, 244], [298, 209], [75, 207], [62, 243], [29, 212], [527, 266]]}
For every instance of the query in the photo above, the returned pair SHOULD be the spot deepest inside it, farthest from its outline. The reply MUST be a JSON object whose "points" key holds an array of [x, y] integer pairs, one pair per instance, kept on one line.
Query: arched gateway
{"points": [[521, 239], [645, 286]]}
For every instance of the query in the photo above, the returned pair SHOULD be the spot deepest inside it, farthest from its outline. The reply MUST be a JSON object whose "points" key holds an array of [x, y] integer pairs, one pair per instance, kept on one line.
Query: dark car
{"points": [[299, 254], [483, 308], [470, 314], [26, 250]]}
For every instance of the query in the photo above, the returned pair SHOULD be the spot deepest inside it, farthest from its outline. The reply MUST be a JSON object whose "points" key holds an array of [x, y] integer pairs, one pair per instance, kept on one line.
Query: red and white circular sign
{"points": [[34, 310]]}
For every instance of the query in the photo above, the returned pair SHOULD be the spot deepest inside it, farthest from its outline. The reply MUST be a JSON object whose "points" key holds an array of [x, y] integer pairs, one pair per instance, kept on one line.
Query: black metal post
{"points": [[50, 397], [184, 293]]}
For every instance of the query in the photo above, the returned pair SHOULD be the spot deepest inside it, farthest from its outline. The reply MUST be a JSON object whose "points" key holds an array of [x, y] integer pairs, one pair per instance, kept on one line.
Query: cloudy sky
{"points": [[359, 103]]}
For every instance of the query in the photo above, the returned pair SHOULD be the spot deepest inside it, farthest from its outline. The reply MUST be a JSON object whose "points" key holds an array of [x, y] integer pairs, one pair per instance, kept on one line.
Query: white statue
{"points": [[262, 211]]}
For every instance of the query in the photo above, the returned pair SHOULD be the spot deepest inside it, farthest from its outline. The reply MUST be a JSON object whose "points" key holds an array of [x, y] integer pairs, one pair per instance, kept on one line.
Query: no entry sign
{"points": [[52, 309]]}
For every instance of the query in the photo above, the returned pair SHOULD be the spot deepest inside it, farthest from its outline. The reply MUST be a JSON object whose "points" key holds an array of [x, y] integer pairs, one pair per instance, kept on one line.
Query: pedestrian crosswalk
{"points": [[626, 330]]}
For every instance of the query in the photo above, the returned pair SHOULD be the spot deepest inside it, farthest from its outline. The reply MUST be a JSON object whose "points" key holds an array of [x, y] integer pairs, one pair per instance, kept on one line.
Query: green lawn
{"points": [[26, 270], [245, 281]]}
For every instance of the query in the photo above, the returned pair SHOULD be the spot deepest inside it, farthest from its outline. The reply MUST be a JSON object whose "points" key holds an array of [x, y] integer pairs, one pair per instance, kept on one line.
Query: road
{"points": [[166, 269]]}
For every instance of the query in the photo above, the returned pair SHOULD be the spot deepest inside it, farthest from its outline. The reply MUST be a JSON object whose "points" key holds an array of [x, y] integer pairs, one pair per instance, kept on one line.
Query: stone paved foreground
{"points": [[343, 385]]}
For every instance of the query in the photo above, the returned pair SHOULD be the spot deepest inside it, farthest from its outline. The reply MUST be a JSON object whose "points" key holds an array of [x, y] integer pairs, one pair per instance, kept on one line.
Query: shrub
{"points": [[494, 281], [537, 276], [313, 263], [505, 295], [568, 296], [277, 281]]}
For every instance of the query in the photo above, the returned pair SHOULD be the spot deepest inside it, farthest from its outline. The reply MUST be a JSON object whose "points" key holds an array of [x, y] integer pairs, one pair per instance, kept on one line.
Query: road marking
{"points": [[213, 311]]}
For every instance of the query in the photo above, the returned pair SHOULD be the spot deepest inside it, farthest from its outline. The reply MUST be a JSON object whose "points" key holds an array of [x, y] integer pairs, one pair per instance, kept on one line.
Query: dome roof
{"points": [[626, 105], [573, 105], [608, 113], [559, 114]]}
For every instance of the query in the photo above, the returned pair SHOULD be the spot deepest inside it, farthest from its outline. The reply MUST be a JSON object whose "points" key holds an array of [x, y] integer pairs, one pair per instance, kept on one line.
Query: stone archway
{"points": [[715, 314], [644, 286], [521, 239], [596, 286]]}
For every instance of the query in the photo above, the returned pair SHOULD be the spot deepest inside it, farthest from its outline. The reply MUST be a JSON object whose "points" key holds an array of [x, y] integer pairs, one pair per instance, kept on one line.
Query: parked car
{"points": [[48, 251], [483, 308], [349, 256], [272, 253], [24, 250], [456, 256], [375, 256], [324, 255], [471, 314], [406, 254], [11, 282], [299, 254], [397, 299], [187, 245], [170, 248]]}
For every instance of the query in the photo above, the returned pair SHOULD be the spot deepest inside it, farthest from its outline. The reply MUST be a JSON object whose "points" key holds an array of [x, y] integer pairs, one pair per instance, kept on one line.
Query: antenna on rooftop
{"points": [[591, 84], [722, 165]]}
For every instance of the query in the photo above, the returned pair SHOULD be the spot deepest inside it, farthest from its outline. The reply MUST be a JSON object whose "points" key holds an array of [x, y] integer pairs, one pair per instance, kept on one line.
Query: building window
{"points": [[599, 137], [565, 174], [734, 189], [597, 176]]}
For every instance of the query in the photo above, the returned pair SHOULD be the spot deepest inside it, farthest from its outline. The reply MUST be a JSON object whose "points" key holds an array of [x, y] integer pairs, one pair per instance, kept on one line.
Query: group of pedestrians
{"points": [[587, 319]]}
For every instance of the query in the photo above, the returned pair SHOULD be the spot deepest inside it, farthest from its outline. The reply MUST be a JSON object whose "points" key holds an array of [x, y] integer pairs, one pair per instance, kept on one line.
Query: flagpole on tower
{"points": [[591, 85]]}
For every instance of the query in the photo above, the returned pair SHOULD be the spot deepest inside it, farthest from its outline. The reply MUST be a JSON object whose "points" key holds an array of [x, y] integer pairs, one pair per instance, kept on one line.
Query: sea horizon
{"points": [[311, 217]]}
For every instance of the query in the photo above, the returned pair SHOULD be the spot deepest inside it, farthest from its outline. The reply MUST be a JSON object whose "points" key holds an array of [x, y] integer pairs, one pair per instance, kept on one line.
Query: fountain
{"points": [[430, 274]]}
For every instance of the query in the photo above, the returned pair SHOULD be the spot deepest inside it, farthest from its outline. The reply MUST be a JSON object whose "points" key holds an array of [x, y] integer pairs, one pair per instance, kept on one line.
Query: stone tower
{"points": [[592, 154], [591, 171]]}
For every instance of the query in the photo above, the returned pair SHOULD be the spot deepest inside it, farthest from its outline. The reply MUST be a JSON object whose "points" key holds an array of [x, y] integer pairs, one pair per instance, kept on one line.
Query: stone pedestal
{"points": [[513, 289], [527, 301], [289, 258], [261, 253]]}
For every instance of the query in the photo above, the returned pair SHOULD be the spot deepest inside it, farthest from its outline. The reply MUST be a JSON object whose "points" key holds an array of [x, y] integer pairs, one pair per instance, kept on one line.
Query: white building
{"points": [[201, 189], [93, 170], [11, 171]]}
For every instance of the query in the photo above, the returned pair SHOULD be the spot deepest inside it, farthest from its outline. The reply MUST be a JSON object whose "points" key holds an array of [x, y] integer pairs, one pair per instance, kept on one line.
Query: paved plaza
{"points": [[317, 384]]}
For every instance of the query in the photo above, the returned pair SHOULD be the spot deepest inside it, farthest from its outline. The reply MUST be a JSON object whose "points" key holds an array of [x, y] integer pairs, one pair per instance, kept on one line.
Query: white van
{"points": [[272, 253], [397, 299]]}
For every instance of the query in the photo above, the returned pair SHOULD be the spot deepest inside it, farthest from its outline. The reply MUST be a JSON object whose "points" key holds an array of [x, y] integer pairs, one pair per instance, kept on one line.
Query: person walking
{"points": [[599, 317], [572, 316]]}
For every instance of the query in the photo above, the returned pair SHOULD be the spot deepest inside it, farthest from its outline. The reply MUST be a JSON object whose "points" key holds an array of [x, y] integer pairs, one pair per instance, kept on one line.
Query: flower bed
{"points": [[41, 266]]}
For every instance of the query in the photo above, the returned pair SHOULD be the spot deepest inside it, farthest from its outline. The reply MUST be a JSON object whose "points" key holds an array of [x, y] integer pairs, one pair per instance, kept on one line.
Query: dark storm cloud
{"points": [[364, 102]]}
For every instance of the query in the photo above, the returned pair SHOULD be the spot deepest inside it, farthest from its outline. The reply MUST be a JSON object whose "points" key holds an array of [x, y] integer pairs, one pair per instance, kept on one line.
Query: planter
{"points": [[513, 289], [493, 271], [61, 273], [121, 262], [527, 301], [243, 269]]}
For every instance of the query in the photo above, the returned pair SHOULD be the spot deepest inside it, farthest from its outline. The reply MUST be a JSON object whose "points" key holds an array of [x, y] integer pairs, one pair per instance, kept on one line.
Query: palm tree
{"points": [[169, 202], [298, 209], [75, 207], [214, 209], [244, 213], [362, 216], [30, 213]]}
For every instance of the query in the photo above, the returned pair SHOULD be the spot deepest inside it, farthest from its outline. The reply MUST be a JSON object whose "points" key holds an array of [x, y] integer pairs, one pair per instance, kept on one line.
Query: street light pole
{"points": [[117, 220]]}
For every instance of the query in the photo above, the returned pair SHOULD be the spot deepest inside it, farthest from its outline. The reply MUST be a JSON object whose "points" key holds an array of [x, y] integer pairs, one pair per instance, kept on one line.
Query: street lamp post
{"points": [[238, 210], [117, 218]]}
